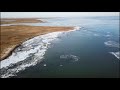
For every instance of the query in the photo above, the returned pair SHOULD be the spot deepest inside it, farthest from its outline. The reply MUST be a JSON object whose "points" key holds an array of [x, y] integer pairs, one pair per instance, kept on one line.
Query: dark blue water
{"points": [[82, 53]]}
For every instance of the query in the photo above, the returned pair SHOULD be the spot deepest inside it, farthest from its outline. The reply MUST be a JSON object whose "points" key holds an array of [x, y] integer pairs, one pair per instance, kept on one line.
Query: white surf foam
{"points": [[34, 49], [116, 54]]}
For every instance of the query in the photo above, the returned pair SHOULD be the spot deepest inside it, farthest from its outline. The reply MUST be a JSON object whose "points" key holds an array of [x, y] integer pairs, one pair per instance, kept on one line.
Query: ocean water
{"points": [[91, 51]]}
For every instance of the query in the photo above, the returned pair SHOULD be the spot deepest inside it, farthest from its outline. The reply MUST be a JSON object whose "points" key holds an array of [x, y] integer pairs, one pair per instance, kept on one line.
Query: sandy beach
{"points": [[12, 36]]}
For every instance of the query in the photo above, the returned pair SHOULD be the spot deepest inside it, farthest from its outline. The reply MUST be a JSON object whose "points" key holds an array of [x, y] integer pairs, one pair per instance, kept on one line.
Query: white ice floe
{"points": [[116, 54], [61, 65], [107, 35], [112, 44], [29, 53], [44, 65], [70, 57], [96, 34]]}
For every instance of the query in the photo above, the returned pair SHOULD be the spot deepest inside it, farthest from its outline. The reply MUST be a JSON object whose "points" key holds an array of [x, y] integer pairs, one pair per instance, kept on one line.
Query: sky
{"points": [[55, 14]]}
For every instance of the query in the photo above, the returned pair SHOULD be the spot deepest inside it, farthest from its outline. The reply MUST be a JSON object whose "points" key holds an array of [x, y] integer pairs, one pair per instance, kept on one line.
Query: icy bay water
{"points": [[89, 52]]}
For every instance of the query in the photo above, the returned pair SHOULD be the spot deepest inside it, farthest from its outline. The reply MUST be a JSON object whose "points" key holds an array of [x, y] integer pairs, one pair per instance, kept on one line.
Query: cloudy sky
{"points": [[55, 14]]}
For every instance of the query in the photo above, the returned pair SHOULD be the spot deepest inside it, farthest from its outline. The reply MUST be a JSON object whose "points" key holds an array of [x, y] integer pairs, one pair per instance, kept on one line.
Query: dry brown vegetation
{"points": [[19, 20], [11, 36]]}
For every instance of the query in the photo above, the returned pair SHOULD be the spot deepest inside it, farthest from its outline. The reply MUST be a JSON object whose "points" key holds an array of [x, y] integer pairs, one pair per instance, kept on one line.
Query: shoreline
{"points": [[38, 44], [5, 54], [28, 48]]}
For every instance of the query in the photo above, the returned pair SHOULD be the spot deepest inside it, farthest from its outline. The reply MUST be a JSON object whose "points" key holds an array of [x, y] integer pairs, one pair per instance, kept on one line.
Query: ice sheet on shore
{"points": [[116, 54], [29, 53]]}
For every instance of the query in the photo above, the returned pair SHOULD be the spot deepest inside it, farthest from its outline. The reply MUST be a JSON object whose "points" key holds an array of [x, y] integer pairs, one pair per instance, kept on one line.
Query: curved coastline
{"points": [[35, 31], [16, 46], [34, 48]]}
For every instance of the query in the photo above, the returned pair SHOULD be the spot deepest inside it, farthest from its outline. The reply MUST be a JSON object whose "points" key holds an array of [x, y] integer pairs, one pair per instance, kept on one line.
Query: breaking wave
{"points": [[29, 53]]}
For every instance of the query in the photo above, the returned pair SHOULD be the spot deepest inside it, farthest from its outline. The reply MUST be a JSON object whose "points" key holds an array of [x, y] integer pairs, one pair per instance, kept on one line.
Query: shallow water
{"points": [[84, 53]]}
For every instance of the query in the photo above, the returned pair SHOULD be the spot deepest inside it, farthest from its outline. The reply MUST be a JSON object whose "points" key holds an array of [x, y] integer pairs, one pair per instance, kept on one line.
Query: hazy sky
{"points": [[55, 14]]}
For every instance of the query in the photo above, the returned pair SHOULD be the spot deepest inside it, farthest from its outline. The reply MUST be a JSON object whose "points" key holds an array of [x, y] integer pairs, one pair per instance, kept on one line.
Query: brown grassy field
{"points": [[19, 20], [12, 36]]}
